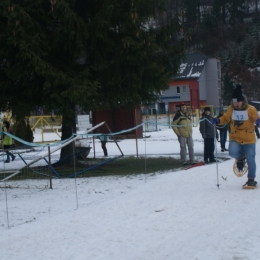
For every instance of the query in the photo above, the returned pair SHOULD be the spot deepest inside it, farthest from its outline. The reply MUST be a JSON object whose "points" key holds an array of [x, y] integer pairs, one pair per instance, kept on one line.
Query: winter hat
{"points": [[207, 109], [7, 124], [237, 94], [182, 104]]}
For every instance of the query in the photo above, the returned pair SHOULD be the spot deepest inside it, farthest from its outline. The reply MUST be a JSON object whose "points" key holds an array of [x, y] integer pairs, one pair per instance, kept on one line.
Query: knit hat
{"points": [[237, 94], [182, 104], [7, 124], [207, 109]]}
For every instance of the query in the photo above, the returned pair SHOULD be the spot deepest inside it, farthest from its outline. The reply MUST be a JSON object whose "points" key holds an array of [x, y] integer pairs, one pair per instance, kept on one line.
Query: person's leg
{"points": [[12, 155], [206, 150], [103, 145], [6, 147], [7, 156], [183, 152], [235, 150], [249, 151], [222, 142], [211, 149], [190, 145]]}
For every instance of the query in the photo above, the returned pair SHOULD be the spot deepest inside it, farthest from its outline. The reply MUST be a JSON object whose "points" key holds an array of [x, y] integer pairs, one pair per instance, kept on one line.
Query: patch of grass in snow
{"points": [[132, 166], [124, 166]]}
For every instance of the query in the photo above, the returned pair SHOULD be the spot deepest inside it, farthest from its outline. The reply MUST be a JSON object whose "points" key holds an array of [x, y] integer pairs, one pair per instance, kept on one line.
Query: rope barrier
{"points": [[99, 134]]}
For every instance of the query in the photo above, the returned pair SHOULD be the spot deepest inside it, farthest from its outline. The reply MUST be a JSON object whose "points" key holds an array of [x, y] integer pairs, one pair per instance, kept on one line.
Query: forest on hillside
{"points": [[228, 30]]}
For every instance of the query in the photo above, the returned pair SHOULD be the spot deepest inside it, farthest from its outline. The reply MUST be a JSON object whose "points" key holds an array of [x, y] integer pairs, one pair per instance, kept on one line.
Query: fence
{"points": [[155, 121]]}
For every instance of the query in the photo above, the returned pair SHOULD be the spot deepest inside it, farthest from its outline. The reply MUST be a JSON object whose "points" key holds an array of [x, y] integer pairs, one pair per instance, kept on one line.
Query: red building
{"points": [[198, 83]]}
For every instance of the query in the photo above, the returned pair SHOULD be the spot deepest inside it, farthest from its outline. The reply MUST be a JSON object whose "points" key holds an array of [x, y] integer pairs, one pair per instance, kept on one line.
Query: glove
{"points": [[258, 121], [215, 121]]}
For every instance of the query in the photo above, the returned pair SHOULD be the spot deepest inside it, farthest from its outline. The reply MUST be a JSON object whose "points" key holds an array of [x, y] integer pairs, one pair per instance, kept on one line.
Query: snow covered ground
{"points": [[179, 215]]}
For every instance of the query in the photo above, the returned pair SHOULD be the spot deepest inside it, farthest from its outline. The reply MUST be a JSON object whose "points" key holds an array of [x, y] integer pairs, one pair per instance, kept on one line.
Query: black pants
{"points": [[209, 148], [103, 145]]}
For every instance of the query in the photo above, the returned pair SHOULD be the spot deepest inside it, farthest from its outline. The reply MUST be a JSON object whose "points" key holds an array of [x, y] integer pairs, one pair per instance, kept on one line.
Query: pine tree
{"points": [[89, 53], [227, 89]]}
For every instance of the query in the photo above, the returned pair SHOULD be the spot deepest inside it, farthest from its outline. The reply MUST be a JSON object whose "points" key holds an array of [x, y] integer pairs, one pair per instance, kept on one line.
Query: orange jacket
{"points": [[242, 132]]}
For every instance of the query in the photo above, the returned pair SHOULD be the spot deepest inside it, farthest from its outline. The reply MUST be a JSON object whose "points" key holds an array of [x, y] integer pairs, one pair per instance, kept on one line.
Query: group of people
{"points": [[182, 126], [240, 120]]}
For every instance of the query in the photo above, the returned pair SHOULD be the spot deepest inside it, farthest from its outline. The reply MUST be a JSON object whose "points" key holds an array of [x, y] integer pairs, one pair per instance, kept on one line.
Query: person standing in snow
{"points": [[103, 139], [223, 129], [242, 139], [7, 141], [182, 127], [208, 133]]}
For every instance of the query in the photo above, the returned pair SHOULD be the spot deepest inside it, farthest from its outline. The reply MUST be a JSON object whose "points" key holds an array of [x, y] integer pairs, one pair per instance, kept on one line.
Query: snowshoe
{"points": [[240, 167]]}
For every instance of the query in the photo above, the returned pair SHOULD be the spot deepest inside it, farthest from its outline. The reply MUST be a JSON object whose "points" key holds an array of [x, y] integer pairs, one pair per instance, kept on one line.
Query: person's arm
{"points": [[175, 122], [217, 135], [226, 117], [253, 115], [202, 126]]}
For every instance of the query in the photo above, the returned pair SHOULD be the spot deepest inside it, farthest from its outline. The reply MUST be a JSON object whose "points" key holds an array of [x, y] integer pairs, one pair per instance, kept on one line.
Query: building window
{"points": [[182, 89]]}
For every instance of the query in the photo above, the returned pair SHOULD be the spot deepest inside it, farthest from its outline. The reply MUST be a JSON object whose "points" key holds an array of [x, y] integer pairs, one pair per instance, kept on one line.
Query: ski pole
{"points": [[216, 153]]}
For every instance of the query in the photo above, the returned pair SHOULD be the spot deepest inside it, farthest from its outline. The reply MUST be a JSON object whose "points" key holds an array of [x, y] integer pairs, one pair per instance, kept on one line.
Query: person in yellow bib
{"points": [[7, 141], [242, 139]]}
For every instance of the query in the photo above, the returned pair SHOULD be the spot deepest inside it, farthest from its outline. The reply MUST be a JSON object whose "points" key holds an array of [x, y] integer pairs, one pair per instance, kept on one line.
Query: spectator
{"points": [[40, 111], [208, 132], [7, 141], [182, 127], [104, 139]]}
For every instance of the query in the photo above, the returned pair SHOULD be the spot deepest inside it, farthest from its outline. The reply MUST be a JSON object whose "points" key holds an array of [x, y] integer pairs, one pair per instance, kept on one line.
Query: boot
{"points": [[241, 164], [251, 183]]}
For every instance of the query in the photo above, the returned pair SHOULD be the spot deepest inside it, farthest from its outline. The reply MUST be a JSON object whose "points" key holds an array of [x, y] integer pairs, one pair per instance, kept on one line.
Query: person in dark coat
{"points": [[223, 129], [208, 132], [103, 139], [257, 131]]}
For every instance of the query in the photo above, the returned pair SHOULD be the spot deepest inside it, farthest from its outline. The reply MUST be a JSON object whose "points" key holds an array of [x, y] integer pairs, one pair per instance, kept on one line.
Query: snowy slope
{"points": [[176, 215]]}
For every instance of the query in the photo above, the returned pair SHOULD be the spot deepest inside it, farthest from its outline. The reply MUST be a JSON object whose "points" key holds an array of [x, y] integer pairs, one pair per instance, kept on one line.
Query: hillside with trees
{"points": [[228, 30]]}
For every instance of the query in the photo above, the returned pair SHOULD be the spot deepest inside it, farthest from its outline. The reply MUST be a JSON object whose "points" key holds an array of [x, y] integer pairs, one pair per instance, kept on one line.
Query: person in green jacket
{"points": [[7, 141]]}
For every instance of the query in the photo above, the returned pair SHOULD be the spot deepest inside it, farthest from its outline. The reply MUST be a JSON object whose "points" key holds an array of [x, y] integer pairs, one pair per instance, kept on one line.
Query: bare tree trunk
{"points": [[68, 129]]}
